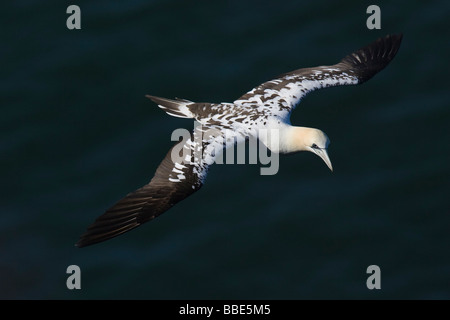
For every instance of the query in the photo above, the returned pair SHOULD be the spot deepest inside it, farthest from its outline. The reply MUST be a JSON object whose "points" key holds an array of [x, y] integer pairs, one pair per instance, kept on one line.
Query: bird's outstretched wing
{"points": [[282, 94], [180, 174]]}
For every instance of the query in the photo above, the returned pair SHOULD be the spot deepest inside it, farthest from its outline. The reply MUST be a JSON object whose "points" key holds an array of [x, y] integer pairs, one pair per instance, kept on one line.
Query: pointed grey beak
{"points": [[324, 155]]}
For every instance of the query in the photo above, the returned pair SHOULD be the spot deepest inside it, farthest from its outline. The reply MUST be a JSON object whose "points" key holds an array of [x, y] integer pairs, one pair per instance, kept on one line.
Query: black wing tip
{"points": [[93, 236], [81, 244], [160, 100], [155, 99], [170, 106], [112, 223], [371, 59]]}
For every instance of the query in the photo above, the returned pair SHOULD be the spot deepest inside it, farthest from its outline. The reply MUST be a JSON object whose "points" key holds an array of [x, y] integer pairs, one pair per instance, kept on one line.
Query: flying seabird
{"points": [[268, 106]]}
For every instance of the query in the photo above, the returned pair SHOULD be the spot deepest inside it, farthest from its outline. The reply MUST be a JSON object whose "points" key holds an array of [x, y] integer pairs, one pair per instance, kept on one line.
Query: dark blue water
{"points": [[77, 134]]}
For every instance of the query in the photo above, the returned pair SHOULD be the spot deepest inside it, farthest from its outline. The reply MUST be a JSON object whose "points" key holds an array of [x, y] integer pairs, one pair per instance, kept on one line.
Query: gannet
{"points": [[267, 106]]}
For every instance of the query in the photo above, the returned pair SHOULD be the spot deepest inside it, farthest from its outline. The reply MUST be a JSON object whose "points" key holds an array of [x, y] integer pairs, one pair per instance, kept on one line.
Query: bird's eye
{"points": [[314, 146]]}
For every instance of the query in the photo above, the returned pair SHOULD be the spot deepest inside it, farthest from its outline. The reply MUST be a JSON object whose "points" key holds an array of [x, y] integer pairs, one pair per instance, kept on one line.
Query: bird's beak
{"points": [[324, 155]]}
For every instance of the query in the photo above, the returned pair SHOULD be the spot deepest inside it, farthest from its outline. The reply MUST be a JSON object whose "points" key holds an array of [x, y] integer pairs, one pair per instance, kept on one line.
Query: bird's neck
{"points": [[286, 139], [293, 139]]}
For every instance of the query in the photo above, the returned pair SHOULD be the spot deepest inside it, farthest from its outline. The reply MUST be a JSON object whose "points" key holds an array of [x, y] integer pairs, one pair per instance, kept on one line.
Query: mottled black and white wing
{"points": [[282, 94], [180, 174]]}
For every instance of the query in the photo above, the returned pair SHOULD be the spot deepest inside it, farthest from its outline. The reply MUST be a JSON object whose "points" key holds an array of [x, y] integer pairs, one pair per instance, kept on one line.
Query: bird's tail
{"points": [[177, 108]]}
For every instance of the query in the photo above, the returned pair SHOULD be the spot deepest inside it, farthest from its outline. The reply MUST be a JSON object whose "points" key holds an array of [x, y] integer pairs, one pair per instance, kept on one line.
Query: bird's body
{"points": [[265, 108]]}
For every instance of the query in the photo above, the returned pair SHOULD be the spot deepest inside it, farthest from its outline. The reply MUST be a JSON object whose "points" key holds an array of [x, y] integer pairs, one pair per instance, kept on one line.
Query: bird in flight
{"points": [[267, 106]]}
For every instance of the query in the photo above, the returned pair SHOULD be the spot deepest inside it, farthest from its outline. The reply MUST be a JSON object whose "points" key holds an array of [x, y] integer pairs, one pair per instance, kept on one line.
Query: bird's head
{"points": [[312, 140]]}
